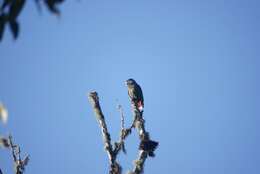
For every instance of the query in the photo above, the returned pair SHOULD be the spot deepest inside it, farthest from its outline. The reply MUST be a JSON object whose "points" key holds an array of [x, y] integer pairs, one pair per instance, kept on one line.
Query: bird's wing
{"points": [[141, 97]]}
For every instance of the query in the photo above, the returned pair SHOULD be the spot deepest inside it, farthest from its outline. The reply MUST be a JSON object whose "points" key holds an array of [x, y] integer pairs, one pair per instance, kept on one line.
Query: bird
{"points": [[135, 93]]}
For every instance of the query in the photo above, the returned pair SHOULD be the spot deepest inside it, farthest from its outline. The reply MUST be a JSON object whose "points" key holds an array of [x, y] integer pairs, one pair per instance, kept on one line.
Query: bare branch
{"points": [[114, 166], [120, 145], [120, 108], [19, 164]]}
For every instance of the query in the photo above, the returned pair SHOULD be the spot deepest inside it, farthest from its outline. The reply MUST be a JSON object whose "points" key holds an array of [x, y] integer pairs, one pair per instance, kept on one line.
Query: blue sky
{"points": [[197, 62]]}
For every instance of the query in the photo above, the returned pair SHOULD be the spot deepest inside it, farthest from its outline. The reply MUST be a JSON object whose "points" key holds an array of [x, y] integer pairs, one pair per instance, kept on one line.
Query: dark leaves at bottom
{"points": [[14, 26], [2, 26]]}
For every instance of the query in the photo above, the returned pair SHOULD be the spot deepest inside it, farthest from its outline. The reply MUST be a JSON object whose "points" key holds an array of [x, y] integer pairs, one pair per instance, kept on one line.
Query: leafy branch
{"points": [[10, 10]]}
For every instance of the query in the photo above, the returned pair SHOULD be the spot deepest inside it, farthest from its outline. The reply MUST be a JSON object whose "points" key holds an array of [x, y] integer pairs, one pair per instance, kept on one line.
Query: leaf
{"points": [[3, 114], [15, 9], [14, 26], [6, 3], [52, 5], [4, 142], [2, 26]]}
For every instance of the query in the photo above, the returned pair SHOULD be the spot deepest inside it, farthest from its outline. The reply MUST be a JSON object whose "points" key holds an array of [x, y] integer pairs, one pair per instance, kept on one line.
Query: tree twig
{"points": [[120, 145], [19, 164]]}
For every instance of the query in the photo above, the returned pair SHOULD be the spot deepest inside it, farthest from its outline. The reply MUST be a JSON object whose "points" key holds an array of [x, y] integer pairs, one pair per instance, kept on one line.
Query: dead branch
{"points": [[146, 146], [120, 145], [19, 163], [115, 168]]}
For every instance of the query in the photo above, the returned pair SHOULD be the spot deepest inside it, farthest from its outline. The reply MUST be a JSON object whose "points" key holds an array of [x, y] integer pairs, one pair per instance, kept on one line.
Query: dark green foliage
{"points": [[14, 26], [52, 5], [15, 9], [10, 10], [2, 26]]}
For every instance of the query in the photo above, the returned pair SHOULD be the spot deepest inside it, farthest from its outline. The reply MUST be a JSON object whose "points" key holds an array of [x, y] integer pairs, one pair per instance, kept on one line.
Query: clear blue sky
{"points": [[197, 62]]}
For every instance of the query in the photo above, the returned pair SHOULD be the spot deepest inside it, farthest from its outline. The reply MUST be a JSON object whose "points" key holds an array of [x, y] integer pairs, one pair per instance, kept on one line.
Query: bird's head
{"points": [[130, 82]]}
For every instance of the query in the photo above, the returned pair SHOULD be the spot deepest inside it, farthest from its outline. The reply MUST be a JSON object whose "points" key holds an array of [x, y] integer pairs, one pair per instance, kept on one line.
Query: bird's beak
{"points": [[126, 83]]}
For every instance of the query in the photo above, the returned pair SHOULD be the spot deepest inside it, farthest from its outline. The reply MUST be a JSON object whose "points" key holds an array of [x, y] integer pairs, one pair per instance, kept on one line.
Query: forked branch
{"points": [[146, 147]]}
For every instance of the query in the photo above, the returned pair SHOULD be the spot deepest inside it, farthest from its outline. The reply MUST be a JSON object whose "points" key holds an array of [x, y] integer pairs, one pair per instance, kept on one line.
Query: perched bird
{"points": [[135, 93]]}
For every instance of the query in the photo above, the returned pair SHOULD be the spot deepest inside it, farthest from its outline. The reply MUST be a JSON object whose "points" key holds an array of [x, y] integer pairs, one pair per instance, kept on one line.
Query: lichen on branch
{"points": [[147, 146], [115, 168]]}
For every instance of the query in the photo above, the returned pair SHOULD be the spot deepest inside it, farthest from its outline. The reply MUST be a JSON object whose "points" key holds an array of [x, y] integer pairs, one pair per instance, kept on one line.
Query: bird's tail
{"points": [[140, 106]]}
